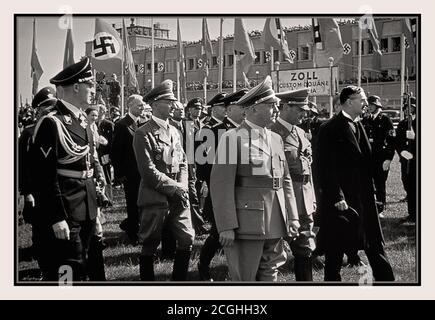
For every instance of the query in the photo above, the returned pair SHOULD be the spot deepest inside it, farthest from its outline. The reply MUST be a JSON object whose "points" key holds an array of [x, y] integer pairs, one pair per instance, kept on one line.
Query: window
{"points": [[275, 55], [191, 64], [384, 45], [395, 44], [148, 71], [136, 68], [170, 66], [257, 57], [369, 47], [303, 53], [214, 60], [266, 56], [230, 60]]}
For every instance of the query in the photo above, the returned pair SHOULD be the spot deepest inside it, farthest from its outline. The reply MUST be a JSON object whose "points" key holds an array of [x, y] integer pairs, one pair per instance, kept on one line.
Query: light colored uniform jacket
{"points": [[258, 211]]}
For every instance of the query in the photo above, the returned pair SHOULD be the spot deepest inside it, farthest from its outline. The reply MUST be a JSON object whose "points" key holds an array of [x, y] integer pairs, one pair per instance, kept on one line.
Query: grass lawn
{"points": [[122, 259]]}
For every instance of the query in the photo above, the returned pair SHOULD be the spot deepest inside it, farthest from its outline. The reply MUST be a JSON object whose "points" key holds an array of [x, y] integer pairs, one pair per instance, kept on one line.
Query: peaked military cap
{"points": [[217, 100], [313, 107], [161, 92], [262, 93], [296, 97], [44, 98], [76, 73], [375, 100], [195, 102], [233, 97]]}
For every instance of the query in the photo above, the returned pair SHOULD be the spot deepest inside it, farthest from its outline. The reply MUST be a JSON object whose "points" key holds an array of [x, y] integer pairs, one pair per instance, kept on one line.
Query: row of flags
{"points": [[111, 54]]}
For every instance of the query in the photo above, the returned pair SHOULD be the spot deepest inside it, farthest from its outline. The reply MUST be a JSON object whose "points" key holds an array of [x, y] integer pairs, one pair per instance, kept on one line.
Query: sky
{"points": [[50, 39]]}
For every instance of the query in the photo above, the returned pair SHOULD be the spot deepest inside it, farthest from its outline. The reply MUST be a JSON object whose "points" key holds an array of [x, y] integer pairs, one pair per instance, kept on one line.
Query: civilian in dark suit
{"points": [[406, 147], [105, 129], [124, 163], [349, 218]]}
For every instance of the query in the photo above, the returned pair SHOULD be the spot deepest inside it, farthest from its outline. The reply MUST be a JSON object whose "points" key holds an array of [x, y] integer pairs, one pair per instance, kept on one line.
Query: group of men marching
{"points": [[252, 155]]}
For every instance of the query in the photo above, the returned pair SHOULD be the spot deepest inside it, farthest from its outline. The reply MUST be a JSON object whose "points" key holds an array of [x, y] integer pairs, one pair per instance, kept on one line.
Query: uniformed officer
{"points": [[252, 192], [407, 149], [163, 192], [381, 134], [66, 165], [234, 118], [293, 109]]}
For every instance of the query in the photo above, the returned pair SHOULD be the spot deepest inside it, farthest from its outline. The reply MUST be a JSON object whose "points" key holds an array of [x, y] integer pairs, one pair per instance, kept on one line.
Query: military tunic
{"points": [[65, 165], [299, 158], [163, 168], [252, 194]]}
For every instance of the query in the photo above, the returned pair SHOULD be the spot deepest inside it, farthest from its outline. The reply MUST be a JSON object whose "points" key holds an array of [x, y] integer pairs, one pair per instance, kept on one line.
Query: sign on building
{"points": [[318, 79]]}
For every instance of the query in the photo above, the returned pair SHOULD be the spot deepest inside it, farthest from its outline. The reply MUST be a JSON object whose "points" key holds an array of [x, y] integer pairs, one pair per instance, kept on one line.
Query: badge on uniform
{"points": [[392, 133], [67, 119], [45, 153]]}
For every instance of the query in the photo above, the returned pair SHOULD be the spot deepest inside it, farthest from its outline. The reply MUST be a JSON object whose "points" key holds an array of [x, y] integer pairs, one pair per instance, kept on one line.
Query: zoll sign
{"points": [[318, 79]]}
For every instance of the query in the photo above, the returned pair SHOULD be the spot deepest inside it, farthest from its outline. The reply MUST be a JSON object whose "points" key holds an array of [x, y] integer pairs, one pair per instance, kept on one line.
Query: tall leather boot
{"points": [[208, 251], [303, 268], [146, 268], [96, 271], [181, 265]]}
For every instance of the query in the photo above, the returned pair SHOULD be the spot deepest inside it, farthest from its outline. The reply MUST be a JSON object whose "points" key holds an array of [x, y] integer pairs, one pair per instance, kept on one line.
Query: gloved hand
{"points": [[410, 134], [341, 205], [30, 200]]}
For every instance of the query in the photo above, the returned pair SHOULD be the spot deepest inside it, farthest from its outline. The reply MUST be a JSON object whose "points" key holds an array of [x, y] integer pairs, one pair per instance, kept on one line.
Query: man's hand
{"points": [[406, 155], [181, 197], [410, 134], [341, 205], [101, 181], [226, 238], [386, 165], [30, 200], [61, 230], [294, 227]]}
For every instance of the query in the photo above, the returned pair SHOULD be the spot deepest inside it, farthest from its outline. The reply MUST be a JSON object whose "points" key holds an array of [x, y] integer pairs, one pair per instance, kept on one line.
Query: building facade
{"points": [[380, 74]]}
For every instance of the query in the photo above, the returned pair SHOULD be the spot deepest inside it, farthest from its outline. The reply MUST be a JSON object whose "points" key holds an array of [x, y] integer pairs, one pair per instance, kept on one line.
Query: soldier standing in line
{"points": [[65, 166], [163, 193], [294, 107], [252, 192]]}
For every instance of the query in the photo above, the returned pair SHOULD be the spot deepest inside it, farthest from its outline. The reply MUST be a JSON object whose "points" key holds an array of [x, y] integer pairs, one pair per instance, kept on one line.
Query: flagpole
{"points": [[205, 88], [122, 73], [221, 54], [236, 58], [359, 52], [331, 98], [152, 53], [402, 74], [178, 81], [314, 66]]}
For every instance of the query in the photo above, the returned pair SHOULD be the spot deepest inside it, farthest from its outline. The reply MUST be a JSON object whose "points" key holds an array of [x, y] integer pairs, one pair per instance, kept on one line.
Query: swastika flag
{"points": [[106, 49]]}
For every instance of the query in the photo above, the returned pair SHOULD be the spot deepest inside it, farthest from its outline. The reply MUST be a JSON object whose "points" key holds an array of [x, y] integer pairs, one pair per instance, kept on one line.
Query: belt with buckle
{"points": [[76, 174], [259, 182], [304, 178]]}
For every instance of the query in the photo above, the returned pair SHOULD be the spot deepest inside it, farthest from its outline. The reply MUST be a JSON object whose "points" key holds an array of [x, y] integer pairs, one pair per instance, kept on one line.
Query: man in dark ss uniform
{"points": [[252, 192], [381, 134], [235, 115], [349, 218], [43, 101], [66, 165], [124, 163], [297, 147], [406, 147], [163, 194]]}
